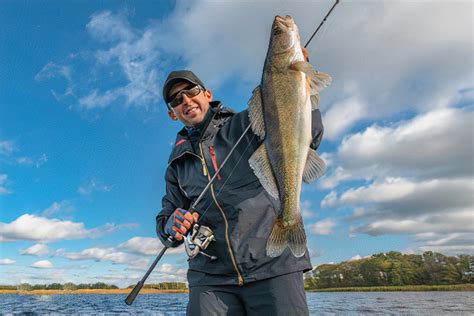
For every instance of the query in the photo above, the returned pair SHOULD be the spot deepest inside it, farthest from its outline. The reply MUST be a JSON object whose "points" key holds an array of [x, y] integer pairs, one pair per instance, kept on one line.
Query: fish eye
{"points": [[276, 31]]}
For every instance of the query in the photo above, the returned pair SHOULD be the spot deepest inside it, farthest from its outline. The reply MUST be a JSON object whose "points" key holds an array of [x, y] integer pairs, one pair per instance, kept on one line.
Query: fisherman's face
{"points": [[191, 111]]}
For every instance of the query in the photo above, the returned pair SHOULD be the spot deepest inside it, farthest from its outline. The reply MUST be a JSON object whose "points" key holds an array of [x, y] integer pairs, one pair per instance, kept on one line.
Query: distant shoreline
{"points": [[90, 291], [404, 288], [401, 288]]}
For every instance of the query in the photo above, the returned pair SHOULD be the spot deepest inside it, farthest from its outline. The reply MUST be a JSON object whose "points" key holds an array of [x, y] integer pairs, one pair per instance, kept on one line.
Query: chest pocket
{"points": [[191, 179]]}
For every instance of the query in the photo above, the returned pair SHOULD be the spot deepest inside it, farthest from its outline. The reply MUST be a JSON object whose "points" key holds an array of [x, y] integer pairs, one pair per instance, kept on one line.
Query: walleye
{"points": [[280, 114]]}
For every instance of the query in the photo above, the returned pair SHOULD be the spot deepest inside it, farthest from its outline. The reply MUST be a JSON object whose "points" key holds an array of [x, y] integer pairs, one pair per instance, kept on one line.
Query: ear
{"points": [[208, 95], [172, 115]]}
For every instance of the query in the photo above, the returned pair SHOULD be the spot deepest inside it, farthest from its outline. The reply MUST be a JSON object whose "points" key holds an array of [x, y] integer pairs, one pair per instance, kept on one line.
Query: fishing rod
{"points": [[203, 229], [206, 233], [322, 22]]}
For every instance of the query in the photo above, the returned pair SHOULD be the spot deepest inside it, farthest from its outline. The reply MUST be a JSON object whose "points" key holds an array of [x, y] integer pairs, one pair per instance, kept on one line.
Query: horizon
{"points": [[85, 136]]}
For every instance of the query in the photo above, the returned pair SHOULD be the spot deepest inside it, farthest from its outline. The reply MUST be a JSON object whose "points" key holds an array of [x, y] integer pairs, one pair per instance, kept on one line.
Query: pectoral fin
{"points": [[260, 164], [256, 113], [317, 80], [314, 167]]}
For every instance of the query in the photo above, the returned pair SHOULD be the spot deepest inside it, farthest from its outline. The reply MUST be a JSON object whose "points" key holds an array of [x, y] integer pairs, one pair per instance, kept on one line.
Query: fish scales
{"points": [[289, 134], [280, 114]]}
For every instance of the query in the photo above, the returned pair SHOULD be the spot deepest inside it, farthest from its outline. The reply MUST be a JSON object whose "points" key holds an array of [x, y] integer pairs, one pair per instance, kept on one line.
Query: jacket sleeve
{"points": [[173, 199], [317, 129]]}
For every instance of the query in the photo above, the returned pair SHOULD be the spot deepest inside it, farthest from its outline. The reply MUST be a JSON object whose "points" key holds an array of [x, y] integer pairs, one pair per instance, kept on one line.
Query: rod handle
{"points": [[133, 294]]}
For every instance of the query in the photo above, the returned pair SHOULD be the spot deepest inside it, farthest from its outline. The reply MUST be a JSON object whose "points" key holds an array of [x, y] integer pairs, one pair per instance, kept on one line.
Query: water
{"points": [[347, 303]]}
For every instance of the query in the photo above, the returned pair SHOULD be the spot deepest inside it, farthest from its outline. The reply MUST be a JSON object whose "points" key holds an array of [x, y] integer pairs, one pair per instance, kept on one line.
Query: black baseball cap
{"points": [[176, 76]]}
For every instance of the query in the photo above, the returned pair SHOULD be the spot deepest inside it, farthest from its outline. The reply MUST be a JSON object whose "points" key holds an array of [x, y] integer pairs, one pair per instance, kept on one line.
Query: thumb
{"points": [[196, 216]]}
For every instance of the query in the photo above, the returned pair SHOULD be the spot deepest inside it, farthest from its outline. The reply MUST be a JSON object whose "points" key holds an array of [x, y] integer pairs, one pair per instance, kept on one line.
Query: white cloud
{"points": [[450, 249], [329, 200], [32, 227], [418, 176], [403, 198], [93, 185], [355, 258], [137, 57], [7, 261], [52, 70], [3, 188], [35, 250], [162, 273], [28, 161], [147, 246], [434, 144], [42, 264], [6, 147], [322, 227], [375, 75], [358, 257], [341, 116], [381, 68], [107, 27], [99, 254], [446, 243], [106, 254], [401, 206], [306, 209], [62, 207]]}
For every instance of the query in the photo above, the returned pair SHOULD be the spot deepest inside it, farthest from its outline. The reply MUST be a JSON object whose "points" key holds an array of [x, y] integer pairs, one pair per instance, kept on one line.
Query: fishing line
{"points": [[133, 294], [228, 177], [321, 24]]}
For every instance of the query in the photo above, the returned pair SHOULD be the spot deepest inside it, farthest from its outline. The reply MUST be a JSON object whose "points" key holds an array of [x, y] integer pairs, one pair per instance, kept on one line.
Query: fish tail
{"points": [[297, 239], [278, 239], [292, 236]]}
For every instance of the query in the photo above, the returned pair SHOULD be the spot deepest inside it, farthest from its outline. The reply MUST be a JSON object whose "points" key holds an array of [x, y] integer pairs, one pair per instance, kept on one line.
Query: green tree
{"points": [[70, 286]]}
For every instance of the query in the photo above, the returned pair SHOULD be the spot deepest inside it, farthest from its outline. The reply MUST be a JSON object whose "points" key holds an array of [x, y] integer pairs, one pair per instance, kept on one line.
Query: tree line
{"points": [[165, 286], [66, 286], [99, 285], [394, 268]]}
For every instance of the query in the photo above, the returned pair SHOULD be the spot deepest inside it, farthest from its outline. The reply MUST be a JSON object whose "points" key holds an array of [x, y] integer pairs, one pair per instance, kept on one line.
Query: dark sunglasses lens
{"points": [[178, 99]]}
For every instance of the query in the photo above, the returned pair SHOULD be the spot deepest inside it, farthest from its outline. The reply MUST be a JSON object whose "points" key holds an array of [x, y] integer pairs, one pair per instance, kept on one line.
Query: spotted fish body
{"points": [[280, 113]]}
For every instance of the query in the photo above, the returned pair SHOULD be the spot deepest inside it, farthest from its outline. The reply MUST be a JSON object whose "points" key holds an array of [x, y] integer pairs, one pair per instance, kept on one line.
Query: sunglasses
{"points": [[177, 99]]}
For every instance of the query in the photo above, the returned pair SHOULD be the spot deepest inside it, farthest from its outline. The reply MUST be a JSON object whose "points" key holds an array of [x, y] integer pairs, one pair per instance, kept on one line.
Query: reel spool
{"points": [[199, 240]]}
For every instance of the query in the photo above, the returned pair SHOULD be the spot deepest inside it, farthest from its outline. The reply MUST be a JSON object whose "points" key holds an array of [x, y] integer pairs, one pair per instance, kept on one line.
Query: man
{"points": [[234, 276]]}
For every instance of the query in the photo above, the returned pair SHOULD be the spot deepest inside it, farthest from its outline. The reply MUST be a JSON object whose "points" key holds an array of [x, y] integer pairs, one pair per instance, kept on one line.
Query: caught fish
{"points": [[280, 114]]}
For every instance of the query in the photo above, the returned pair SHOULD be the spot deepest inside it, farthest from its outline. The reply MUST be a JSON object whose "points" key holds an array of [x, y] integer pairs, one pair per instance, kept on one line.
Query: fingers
{"points": [[177, 235], [183, 221], [305, 53]]}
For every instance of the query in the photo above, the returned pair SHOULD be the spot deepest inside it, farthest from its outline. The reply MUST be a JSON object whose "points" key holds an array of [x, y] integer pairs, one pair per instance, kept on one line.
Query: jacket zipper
{"points": [[214, 161], [239, 276], [203, 162]]}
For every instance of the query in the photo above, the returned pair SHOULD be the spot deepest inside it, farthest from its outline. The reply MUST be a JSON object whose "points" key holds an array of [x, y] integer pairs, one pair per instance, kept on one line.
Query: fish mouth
{"points": [[282, 24]]}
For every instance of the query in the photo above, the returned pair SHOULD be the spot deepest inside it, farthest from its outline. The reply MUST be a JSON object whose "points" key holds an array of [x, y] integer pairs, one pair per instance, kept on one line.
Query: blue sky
{"points": [[85, 136]]}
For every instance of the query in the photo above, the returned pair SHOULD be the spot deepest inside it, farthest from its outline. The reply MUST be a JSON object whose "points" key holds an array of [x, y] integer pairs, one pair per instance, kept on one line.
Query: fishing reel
{"points": [[199, 240]]}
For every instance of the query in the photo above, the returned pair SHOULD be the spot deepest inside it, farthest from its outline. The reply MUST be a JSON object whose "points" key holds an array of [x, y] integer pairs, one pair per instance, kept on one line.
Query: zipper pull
{"points": [[214, 161], [204, 169], [203, 161]]}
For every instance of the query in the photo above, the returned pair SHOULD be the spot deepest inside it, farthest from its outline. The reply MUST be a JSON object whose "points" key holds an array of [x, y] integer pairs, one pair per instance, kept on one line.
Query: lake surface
{"points": [[347, 303]]}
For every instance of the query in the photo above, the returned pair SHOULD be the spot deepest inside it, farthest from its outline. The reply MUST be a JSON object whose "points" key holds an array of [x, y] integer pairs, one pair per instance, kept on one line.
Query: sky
{"points": [[85, 137]]}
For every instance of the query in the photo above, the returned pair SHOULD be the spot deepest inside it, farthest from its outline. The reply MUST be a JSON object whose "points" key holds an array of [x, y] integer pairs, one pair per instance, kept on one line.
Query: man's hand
{"points": [[180, 222], [305, 54]]}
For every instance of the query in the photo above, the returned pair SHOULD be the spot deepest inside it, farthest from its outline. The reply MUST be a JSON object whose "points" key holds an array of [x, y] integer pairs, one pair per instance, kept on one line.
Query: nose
{"points": [[186, 99]]}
